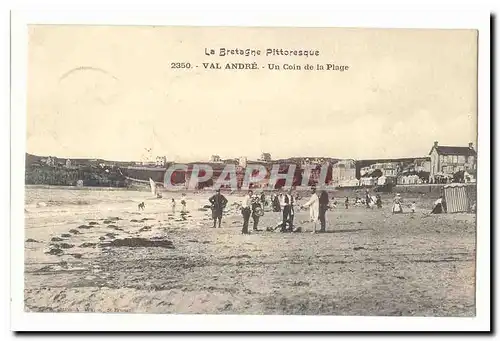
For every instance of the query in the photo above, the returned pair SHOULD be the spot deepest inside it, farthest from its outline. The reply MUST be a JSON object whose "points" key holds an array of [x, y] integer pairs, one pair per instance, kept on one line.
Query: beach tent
{"points": [[456, 197]]}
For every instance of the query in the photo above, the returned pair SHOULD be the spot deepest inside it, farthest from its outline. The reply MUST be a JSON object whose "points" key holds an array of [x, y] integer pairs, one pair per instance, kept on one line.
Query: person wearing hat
{"points": [[288, 211], [218, 202], [257, 211], [246, 211], [397, 207]]}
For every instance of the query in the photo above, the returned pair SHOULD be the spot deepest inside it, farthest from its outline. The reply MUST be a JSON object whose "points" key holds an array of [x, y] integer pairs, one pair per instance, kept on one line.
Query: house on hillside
{"points": [[49, 161], [448, 160], [343, 173], [365, 170], [387, 169], [266, 157], [242, 161], [422, 165], [230, 161], [215, 159], [161, 161]]}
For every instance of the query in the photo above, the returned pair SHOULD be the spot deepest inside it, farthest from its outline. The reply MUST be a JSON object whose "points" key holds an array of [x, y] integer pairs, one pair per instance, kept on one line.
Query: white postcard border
{"points": [[22, 321]]}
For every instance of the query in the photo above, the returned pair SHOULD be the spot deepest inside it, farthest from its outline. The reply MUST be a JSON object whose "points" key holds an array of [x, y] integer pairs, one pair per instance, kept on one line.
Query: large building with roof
{"points": [[448, 160]]}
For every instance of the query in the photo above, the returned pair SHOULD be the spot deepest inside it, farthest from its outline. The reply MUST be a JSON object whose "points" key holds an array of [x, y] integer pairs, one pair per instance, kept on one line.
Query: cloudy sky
{"points": [[109, 92]]}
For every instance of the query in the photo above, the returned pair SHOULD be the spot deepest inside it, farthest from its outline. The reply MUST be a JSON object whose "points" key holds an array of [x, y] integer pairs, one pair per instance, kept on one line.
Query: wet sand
{"points": [[370, 262]]}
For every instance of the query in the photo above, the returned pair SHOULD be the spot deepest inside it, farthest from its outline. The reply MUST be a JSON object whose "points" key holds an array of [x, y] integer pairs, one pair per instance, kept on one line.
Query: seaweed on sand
{"points": [[139, 242]]}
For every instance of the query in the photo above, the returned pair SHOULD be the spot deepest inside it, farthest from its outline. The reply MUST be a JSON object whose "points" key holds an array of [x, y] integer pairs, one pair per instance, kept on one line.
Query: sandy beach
{"points": [[370, 262]]}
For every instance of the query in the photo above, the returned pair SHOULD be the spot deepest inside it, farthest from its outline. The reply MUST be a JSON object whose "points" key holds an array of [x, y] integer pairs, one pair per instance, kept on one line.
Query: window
{"points": [[461, 159]]}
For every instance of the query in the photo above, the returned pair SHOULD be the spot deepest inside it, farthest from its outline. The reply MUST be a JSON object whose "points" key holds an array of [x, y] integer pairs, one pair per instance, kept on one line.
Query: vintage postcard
{"points": [[251, 170]]}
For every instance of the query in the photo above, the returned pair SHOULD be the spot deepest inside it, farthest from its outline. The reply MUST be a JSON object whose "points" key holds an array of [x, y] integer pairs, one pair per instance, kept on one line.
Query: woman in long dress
{"points": [[397, 207], [313, 205]]}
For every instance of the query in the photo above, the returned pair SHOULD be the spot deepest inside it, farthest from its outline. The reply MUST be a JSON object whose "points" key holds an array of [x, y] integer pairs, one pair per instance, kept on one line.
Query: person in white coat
{"points": [[313, 205]]}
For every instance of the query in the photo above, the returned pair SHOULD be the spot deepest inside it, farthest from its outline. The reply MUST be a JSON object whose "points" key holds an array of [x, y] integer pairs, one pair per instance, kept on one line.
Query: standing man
{"points": [[246, 211], [292, 208], [219, 203], [288, 211], [313, 205], [323, 207]]}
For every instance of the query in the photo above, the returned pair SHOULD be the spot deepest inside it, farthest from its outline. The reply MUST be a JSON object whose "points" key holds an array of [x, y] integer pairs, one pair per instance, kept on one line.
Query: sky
{"points": [[110, 92]]}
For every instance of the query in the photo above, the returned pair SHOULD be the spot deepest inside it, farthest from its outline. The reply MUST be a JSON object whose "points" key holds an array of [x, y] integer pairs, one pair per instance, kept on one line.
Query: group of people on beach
{"points": [[284, 204]]}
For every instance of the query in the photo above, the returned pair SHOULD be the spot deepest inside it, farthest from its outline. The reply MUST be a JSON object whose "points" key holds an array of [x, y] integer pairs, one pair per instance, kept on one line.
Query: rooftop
{"points": [[451, 150]]}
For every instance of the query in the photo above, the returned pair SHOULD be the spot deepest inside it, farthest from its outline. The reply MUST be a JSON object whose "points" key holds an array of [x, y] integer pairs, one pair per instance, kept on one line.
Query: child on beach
{"points": [[413, 207], [172, 204], [346, 203]]}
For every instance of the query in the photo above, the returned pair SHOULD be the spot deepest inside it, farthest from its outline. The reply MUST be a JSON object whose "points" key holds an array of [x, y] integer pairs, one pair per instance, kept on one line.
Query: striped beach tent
{"points": [[457, 198]]}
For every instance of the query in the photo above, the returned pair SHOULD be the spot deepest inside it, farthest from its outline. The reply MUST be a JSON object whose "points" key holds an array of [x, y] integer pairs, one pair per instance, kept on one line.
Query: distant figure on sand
{"points": [[313, 205], [183, 202], [219, 203], [368, 199], [246, 210], [413, 207], [263, 199], [257, 211], [346, 203], [323, 207], [141, 206], [276, 203], [288, 212], [276, 207], [439, 206], [379, 201], [397, 206], [172, 204]]}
